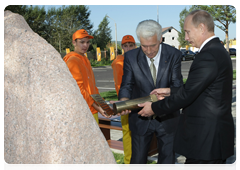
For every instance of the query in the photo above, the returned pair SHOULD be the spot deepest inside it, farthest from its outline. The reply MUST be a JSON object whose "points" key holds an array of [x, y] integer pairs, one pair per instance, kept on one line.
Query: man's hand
{"points": [[146, 110], [161, 93], [125, 112]]}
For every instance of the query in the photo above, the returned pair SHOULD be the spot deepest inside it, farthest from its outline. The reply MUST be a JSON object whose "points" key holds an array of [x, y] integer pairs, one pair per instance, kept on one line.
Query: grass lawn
{"points": [[151, 165], [109, 95], [234, 74]]}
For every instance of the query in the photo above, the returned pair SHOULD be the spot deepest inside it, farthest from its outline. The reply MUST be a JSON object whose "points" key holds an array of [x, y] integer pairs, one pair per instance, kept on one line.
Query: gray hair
{"points": [[149, 28]]}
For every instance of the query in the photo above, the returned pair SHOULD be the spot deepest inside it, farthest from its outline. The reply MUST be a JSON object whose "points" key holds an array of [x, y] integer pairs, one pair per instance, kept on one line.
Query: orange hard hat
{"points": [[128, 38], [82, 33]]}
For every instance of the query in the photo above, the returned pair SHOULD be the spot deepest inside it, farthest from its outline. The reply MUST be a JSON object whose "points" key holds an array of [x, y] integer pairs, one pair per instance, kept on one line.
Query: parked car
{"points": [[232, 51], [187, 55]]}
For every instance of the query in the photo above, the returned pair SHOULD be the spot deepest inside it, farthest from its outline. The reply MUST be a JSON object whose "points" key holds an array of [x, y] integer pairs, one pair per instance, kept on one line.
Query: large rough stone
{"points": [[46, 119]]}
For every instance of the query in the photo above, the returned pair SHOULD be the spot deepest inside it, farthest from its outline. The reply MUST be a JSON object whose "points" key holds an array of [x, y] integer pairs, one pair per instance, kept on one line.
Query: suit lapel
{"points": [[143, 65], [162, 63]]}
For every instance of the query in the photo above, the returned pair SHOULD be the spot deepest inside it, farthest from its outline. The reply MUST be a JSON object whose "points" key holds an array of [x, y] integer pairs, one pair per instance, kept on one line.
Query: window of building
{"points": [[163, 39], [169, 30], [172, 38]]}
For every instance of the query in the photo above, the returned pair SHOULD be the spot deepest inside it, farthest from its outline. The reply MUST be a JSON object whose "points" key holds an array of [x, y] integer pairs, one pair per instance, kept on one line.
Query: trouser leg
{"points": [[140, 147]]}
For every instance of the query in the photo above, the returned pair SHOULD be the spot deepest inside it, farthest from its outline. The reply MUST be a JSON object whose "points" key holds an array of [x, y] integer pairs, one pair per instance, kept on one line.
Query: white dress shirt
{"points": [[156, 59]]}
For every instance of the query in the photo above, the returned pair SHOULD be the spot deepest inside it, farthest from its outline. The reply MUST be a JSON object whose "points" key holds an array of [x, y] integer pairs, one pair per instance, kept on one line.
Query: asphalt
{"points": [[117, 135]]}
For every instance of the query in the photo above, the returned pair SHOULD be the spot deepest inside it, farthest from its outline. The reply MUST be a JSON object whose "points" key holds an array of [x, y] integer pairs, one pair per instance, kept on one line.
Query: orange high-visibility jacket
{"points": [[117, 66], [81, 70]]}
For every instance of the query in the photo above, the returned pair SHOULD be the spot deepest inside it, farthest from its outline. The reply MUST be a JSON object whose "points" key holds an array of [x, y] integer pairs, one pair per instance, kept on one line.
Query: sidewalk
{"points": [[117, 135]]}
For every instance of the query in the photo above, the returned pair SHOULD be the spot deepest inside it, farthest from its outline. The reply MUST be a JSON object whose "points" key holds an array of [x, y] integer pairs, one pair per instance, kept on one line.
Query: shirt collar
{"points": [[157, 57]]}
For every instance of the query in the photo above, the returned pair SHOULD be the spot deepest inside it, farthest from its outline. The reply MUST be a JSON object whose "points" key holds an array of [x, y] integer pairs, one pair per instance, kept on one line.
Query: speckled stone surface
{"points": [[46, 119]]}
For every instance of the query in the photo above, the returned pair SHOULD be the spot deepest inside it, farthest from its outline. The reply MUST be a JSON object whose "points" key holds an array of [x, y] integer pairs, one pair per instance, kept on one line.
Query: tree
{"points": [[35, 17], [20, 9], [102, 36], [55, 25], [224, 14], [181, 35], [65, 21]]}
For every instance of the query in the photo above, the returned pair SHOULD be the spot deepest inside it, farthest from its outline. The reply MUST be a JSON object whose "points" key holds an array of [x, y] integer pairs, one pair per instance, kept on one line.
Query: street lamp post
{"points": [[115, 33]]}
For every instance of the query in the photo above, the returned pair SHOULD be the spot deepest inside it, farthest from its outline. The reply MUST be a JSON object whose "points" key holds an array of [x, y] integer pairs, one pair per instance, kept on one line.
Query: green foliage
{"points": [[103, 62], [102, 36], [63, 22], [181, 35], [35, 17], [56, 25], [20, 9], [224, 14]]}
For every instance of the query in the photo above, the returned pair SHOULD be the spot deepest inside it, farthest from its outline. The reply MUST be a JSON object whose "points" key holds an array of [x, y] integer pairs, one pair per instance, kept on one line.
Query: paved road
{"points": [[104, 75]]}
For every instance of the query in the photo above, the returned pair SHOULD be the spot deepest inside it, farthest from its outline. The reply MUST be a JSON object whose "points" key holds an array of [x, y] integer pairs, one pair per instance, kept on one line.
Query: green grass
{"points": [[109, 95], [151, 165], [233, 56], [234, 74]]}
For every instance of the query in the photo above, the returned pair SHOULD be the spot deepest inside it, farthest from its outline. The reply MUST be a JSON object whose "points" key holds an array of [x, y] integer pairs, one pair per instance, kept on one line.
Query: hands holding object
{"points": [[126, 106]]}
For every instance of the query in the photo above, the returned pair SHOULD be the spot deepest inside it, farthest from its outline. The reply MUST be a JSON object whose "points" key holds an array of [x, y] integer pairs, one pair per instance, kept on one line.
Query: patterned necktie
{"points": [[153, 70]]}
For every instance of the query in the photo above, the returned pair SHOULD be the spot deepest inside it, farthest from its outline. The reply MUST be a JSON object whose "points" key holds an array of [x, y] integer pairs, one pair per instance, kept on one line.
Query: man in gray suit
{"points": [[205, 134], [153, 65]]}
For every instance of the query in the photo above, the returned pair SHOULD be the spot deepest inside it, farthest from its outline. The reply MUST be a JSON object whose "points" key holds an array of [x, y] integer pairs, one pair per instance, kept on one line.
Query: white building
{"points": [[170, 36]]}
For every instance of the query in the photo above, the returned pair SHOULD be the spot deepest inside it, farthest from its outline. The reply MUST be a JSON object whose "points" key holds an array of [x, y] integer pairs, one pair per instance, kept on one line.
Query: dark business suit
{"points": [[137, 82], [206, 129]]}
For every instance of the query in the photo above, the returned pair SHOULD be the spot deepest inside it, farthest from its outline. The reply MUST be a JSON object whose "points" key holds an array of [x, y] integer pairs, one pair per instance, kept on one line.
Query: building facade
{"points": [[170, 36]]}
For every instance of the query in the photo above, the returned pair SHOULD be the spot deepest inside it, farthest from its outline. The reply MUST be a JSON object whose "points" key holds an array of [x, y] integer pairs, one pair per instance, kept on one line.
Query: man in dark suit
{"points": [[206, 130], [141, 76]]}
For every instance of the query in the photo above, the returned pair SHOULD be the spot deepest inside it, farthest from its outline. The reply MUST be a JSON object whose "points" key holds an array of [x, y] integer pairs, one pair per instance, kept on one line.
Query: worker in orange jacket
{"points": [[128, 43], [81, 70]]}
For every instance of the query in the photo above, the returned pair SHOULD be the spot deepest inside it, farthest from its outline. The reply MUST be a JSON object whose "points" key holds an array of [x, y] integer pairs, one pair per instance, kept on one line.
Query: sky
{"points": [[127, 18]]}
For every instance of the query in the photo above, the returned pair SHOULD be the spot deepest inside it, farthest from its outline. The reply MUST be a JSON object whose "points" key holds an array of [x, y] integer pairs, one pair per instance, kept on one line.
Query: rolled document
{"points": [[132, 104]]}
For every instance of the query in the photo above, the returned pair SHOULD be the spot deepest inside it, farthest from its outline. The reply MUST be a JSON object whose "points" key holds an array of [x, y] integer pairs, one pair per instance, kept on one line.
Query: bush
{"points": [[103, 62]]}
